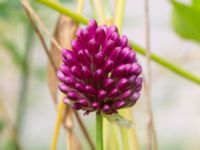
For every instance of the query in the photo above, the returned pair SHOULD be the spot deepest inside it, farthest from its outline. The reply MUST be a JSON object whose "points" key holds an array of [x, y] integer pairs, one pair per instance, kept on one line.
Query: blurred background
{"points": [[25, 100]]}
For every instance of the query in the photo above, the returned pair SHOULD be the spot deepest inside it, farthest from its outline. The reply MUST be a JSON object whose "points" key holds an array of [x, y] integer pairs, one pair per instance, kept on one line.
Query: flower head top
{"points": [[101, 72]]}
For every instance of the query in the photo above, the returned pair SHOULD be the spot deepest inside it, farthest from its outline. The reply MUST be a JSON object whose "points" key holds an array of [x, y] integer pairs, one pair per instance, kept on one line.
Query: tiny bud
{"points": [[92, 26], [122, 83], [76, 71], [62, 87], [90, 89], [114, 93], [73, 95], [126, 94], [100, 35], [84, 102], [107, 109], [98, 75], [102, 94], [119, 104], [108, 82]]}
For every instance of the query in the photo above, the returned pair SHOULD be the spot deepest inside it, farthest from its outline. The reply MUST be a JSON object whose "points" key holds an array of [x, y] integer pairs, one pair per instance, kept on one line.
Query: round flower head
{"points": [[101, 72]]}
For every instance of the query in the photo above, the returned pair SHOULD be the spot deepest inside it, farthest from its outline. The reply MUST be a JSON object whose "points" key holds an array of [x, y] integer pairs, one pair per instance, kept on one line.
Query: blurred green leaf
{"points": [[196, 3], [186, 21], [11, 10], [9, 144], [2, 125], [12, 50]]}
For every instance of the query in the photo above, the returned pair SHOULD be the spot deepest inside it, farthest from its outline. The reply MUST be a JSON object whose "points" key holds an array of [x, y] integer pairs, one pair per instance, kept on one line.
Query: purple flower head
{"points": [[101, 72]]}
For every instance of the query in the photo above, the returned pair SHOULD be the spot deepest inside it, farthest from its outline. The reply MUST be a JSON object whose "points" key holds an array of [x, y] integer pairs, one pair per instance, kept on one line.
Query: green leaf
{"points": [[196, 4], [186, 21]]}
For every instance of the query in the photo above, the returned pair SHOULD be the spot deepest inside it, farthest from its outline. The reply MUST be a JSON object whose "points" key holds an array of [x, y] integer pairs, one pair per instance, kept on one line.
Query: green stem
{"points": [[165, 63], [99, 132], [57, 6]]}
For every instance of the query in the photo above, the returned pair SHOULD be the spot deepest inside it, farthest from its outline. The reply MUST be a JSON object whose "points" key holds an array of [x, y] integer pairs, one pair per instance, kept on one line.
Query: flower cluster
{"points": [[101, 72]]}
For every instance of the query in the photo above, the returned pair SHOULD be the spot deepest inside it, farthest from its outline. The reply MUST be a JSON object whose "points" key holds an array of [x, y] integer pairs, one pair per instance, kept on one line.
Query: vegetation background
{"points": [[26, 101]]}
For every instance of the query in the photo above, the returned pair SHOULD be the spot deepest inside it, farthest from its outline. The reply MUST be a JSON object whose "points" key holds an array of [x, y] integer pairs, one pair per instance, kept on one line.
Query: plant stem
{"points": [[163, 62], [119, 15], [57, 6], [99, 132], [59, 120]]}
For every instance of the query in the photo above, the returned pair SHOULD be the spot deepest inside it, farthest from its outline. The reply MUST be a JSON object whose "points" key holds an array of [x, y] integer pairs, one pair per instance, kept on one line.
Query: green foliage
{"points": [[11, 10], [2, 125], [13, 51], [186, 20], [9, 144], [196, 4]]}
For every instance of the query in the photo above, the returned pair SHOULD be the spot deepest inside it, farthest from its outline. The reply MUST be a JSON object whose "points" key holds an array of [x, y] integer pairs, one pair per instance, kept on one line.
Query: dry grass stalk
{"points": [[31, 14], [151, 134]]}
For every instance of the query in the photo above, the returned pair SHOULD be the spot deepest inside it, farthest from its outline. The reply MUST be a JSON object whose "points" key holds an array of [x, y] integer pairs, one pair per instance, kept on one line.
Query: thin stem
{"points": [[151, 134], [30, 13], [163, 62], [57, 6], [59, 120], [168, 65], [99, 132], [119, 14]]}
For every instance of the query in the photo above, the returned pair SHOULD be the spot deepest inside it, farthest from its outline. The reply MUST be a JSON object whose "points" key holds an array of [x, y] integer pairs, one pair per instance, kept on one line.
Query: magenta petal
{"points": [[93, 46], [108, 82], [100, 35], [124, 41], [69, 81], [108, 66], [107, 109], [76, 46], [102, 94], [84, 102], [119, 104], [90, 89], [87, 74], [76, 106], [84, 57], [98, 75], [76, 71], [92, 26], [95, 105], [109, 45], [122, 83], [80, 87], [60, 76], [73, 95], [114, 93], [99, 59], [126, 94], [62, 87]]}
